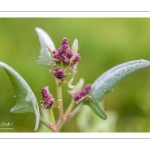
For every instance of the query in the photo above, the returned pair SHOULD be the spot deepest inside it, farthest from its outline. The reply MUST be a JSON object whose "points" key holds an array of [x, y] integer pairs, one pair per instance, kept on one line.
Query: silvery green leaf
{"points": [[46, 44], [74, 47], [107, 81], [26, 100]]}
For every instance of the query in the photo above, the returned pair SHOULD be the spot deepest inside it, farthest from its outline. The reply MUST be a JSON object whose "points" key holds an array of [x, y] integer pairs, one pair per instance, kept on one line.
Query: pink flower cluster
{"points": [[82, 93], [47, 98], [64, 54]]}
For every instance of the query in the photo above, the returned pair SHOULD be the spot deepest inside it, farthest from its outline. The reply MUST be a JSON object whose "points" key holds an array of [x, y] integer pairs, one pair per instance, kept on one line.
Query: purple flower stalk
{"points": [[82, 93], [47, 98]]}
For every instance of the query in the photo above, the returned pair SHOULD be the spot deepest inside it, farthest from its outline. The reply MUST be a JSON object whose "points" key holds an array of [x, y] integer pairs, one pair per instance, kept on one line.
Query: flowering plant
{"points": [[62, 63]]}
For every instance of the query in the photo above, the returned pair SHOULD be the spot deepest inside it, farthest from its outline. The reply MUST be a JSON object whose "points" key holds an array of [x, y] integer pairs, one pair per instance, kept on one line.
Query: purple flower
{"points": [[65, 60], [63, 54], [82, 93], [59, 74], [76, 58], [77, 96], [47, 98], [56, 54], [65, 41], [69, 54]]}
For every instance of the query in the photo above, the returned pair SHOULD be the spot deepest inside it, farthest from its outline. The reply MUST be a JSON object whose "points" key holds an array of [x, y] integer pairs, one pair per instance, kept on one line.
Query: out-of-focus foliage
{"points": [[103, 43], [87, 121]]}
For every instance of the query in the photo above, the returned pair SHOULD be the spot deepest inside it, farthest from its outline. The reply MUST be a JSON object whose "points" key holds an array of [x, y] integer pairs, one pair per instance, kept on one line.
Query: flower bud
{"points": [[47, 98], [76, 58], [59, 74], [82, 92]]}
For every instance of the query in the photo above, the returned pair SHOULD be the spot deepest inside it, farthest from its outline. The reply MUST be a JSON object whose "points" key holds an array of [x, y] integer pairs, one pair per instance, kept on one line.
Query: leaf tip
{"points": [[74, 47], [37, 29]]}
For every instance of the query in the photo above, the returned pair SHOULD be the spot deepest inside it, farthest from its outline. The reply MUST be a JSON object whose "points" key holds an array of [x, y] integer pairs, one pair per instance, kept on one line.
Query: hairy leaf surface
{"points": [[26, 100], [108, 80], [46, 44]]}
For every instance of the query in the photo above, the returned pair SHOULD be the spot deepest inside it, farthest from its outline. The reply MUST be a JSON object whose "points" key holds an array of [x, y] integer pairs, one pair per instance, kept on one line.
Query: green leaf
{"points": [[46, 44], [26, 100], [107, 81]]}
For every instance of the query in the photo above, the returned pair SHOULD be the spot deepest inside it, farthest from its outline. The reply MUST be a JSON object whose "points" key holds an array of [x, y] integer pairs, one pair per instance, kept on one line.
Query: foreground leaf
{"points": [[46, 43], [107, 81], [26, 100]]}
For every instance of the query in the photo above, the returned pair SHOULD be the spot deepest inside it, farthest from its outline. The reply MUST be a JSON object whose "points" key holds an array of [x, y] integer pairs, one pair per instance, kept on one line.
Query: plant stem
{"points": [[52, 118], [65, 117], [68, 115], [75, 110], [47, 124], [70, 107], [59, 97]]}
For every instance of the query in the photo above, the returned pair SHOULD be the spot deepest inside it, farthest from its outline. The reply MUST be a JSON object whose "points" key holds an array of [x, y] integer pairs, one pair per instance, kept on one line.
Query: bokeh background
{"points": [[103, 43]]}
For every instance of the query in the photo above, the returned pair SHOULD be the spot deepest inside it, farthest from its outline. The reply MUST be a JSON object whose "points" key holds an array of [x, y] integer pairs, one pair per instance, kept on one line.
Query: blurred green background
{"points": [[103, 43]]}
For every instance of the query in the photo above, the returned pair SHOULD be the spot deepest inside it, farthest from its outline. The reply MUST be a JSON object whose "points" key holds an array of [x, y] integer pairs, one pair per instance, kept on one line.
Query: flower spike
{"points": [[47, 98]]}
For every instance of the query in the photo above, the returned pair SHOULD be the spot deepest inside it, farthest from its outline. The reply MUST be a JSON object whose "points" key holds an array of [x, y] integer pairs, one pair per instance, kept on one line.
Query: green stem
{"points": [[47, 124], [52, 118], [65, 117], [75, 111], [70, 107], [59, 97], [68, 115]]}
